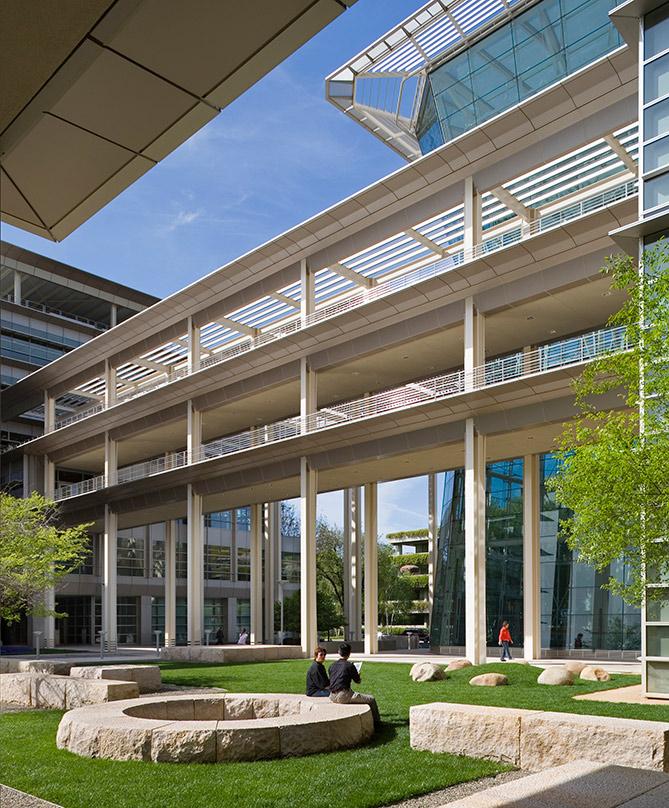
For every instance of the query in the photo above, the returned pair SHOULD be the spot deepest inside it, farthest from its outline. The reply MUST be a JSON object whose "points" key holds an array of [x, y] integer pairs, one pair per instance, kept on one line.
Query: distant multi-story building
{"points": [[429, 325]]}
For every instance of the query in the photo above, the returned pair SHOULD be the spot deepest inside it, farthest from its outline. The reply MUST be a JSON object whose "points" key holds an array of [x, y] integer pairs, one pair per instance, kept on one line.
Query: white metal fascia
{"points": [[184, 344], [514, 204], [425, 241], [350, 275], [620, 151]]}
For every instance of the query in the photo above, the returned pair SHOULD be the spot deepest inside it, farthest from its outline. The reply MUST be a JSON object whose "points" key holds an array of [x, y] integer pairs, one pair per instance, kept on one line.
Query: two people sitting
{"points": [[336, 683]]}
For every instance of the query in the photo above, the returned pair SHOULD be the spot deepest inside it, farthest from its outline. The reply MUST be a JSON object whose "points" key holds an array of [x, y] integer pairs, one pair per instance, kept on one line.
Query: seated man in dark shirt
{"points": [[342, 673], [318, 683]]}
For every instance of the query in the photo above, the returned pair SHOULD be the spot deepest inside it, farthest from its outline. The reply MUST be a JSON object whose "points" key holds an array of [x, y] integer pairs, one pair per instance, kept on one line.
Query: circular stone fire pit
{"points": [[212, 728]]}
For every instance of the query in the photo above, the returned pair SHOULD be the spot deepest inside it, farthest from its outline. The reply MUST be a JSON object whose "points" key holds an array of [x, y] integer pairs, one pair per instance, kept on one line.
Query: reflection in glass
{"points": [[656, 31]]}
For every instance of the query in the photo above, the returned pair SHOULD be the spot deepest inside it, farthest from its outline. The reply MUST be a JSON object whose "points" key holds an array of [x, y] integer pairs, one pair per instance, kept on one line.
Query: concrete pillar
{"points": [[194, 349], [432, 537], [18, 294], [170, 582], [49, 412], [113, 315], [47, 623], [109, 587], [233, 548], [371, 571], [110, 385], [308, 392], [91, 617], [308, 617], [472, 217], [307, 289], [531, 555], [474, 339], [194, 581], [272, 547], [475, 545], [257, 523], [193, 432], [232, 620], [111, 460], [352, 564]]}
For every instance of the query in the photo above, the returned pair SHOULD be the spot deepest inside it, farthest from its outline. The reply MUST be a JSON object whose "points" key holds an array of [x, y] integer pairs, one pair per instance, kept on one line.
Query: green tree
{"points": [[614, 475], [396, 591], [34, 553], [330, 560], [329, 614]]}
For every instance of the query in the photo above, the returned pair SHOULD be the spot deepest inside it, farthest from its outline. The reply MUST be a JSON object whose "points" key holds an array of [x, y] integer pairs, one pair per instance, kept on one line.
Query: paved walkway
{"points": [[11, 798], [576, 785], [622, 695]]}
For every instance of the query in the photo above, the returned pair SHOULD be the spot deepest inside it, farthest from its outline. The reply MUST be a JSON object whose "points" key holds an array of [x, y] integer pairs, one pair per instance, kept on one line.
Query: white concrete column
{"points": [[194, 349], [48, 622], [170, 582], [271, 542], [474, 339], [307, 289], [194, 581], [110, 385], [193, 432], [49, 477], [432, 537], [111, 460], [49, 412], [18, 293], [475, 545], [113, 315], [308, 617], [371, 571], [472, 216], [257, 523], [531, 554], [352, 564], [308, 392], [109, 590]]}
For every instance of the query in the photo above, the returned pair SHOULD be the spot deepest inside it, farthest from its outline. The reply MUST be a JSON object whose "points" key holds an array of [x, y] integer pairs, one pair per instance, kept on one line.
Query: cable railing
{"points": [[511, 235], [522, 364]]}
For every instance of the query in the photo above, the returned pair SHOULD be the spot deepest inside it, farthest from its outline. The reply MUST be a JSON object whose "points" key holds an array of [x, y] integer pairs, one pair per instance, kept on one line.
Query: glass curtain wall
{"points": [[539, 47]]}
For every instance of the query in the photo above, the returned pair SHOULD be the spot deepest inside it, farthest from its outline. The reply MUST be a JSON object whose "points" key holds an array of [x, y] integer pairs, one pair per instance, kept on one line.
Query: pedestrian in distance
{"points": [[505, 641]]}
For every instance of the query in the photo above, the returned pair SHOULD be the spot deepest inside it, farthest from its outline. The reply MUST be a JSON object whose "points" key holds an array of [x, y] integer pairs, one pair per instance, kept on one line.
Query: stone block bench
{"points": [[147, 677], [210, 729], [231, 653], [9, 665], [47, 691], [536, 740]]}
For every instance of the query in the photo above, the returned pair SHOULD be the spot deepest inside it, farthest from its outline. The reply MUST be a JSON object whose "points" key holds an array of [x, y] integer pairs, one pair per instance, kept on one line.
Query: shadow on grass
{"points": [[386, 733]]}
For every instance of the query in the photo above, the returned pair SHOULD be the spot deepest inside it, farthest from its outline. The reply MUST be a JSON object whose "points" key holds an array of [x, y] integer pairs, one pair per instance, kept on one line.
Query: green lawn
{"points": [[383, 772]]}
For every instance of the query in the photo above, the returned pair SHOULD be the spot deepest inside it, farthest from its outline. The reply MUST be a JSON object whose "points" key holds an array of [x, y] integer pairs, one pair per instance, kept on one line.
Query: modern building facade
{"points": [[429, 325]]}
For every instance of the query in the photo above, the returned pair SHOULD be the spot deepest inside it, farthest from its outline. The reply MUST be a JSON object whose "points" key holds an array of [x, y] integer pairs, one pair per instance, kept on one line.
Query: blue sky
{"points": [[274, 157]]}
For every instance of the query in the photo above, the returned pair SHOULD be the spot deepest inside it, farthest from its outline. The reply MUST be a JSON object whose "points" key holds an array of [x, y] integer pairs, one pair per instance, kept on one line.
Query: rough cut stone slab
{"points": [[489, 680], [49, 691], [592, 674], [15, 689], [426, 672], [188, 742], [467, 729], [302, 736], [555, 676], [147, 676], [246, 741], [550, 739], [80, 692], [580, 784]]}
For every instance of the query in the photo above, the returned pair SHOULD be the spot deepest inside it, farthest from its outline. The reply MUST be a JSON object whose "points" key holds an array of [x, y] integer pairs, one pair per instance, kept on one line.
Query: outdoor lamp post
{"points": [[37, 634]]}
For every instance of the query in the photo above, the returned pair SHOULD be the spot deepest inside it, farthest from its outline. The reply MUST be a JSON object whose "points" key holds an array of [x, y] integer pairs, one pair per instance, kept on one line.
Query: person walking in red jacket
{"points": [[505, 641]]}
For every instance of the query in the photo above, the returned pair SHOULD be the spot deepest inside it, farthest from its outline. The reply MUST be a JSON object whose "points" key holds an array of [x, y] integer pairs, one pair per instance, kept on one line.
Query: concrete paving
{"points": [[576, 785], [622, 695], [11, 798]]}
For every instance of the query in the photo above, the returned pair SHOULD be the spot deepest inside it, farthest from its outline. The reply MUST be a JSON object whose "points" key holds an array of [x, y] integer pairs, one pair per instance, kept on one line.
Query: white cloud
{"points": [[184, 217]]}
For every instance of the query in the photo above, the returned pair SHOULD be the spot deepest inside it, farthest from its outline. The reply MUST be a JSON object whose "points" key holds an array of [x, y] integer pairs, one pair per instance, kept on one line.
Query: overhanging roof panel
{"points": [[95, 93]]}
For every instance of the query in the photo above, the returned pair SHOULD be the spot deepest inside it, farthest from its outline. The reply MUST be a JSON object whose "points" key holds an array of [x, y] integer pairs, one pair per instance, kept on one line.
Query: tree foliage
{"points": [[396, 591], [614, 474], [34, 553]]}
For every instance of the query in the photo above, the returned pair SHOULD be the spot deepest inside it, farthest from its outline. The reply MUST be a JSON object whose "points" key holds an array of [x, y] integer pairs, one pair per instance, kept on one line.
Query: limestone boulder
{"points": [[458, 664], [246, 741], [184, 742], [592, 674], [575, 666], [427, 672], [555, 676], [15, 688], [489, 680]]}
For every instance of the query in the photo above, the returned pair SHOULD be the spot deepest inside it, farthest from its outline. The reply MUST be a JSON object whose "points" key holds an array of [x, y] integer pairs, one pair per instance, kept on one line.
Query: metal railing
{"points": [[77, 318], [511, 235], [498, 371]]}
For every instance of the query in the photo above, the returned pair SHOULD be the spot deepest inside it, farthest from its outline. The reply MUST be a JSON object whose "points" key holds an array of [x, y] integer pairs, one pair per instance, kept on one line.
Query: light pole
{"points": [[37, 634]]}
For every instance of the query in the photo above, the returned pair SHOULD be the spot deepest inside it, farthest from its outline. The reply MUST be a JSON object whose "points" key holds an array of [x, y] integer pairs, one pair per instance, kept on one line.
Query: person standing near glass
{"points": [[505, 641]]}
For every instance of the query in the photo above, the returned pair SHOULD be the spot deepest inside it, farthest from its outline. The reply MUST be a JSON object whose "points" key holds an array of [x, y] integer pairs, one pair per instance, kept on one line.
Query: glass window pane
{"points": [[658, 677], [656, 154], [656, 79], [656, 120], [657, 641], [656, 191], [656, 31], [657, 611]]}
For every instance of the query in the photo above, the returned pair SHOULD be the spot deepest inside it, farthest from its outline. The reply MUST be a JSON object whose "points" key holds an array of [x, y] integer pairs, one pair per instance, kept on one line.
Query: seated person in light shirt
{"points": [[342, 673], [318, 681]]}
